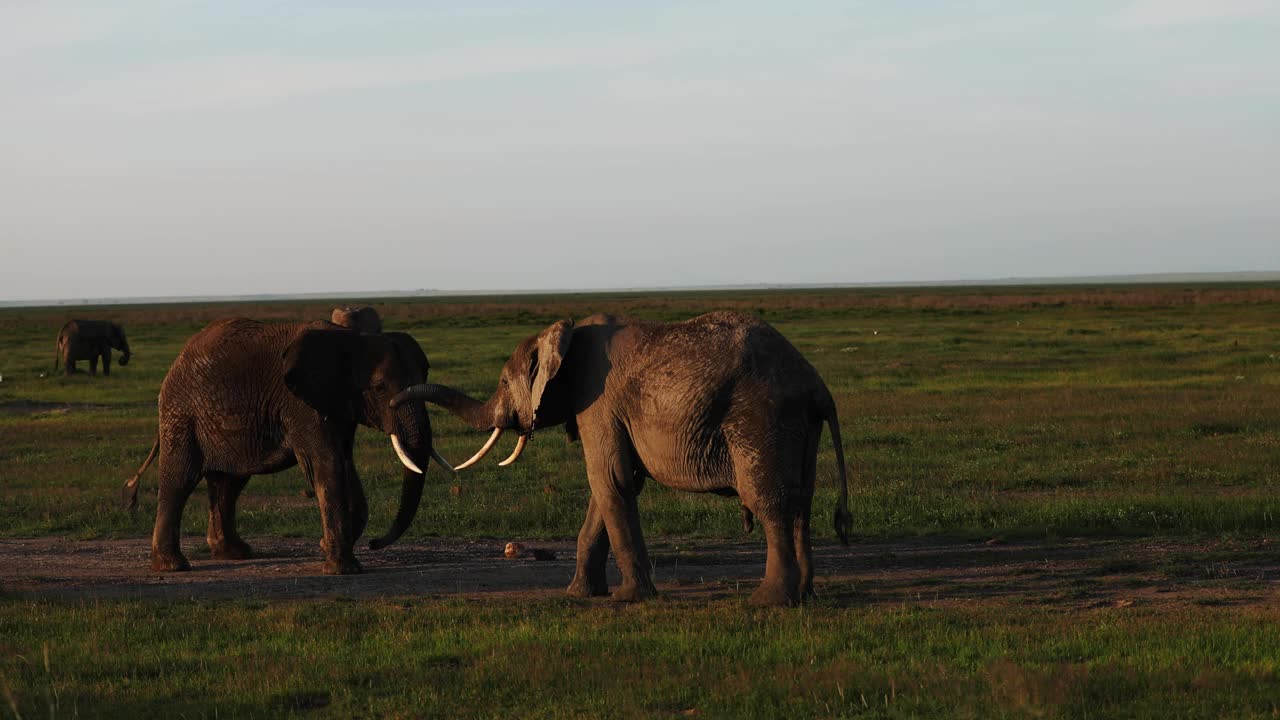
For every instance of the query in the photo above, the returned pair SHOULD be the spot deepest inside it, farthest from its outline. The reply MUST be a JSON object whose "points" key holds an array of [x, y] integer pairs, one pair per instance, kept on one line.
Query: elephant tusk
{"points": [[497, 433], [395, 443], [435, 454], [524, 440]]}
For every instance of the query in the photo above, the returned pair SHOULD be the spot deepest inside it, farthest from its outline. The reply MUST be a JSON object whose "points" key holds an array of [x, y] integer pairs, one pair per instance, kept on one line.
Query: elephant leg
{"points": [[224, 542], [327, 473], [803, 542], [179, 473], [93, 365], [357, 503], [593, 552], [622, 522], [804, 552], [780, 587], [106, 363], [613, 489], [771, 486]]}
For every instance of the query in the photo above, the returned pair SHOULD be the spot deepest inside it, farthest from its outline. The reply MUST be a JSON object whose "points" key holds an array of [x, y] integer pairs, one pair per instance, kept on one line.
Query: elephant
{"points": [[361, 319], [90, 340], [246, 398], [721, 403]]}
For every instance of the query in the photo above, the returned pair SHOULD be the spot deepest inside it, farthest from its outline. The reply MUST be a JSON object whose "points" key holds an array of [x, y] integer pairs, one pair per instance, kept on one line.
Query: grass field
{"points": [[1004, 414]]}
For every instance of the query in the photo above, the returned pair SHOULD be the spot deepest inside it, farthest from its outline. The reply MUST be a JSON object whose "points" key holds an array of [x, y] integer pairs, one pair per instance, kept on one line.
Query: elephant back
{"points": [[227, 353]]}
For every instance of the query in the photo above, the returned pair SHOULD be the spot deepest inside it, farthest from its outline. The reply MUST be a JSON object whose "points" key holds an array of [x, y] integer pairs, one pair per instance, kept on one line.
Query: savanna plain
{"points": [[1065, 504]]}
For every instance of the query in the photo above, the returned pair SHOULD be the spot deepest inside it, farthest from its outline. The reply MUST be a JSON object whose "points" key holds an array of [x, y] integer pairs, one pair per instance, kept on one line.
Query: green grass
{"points": [[1014, 412], [491, 658]]}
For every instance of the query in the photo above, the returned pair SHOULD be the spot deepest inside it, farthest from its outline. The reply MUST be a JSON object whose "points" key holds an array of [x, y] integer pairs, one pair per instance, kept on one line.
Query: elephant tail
{"points": [[129, 493], [843, 518], [57, 351]]}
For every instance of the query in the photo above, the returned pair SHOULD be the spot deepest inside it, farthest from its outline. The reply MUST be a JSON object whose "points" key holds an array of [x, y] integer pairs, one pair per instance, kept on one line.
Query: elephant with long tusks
{"points": [[246, 398], [722, 403]]}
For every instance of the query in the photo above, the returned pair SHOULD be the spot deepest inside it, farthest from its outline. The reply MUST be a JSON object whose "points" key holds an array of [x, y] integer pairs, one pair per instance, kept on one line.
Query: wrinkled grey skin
{"points": [[361, 319], [721, 403], [90, 340], [246, 398]]}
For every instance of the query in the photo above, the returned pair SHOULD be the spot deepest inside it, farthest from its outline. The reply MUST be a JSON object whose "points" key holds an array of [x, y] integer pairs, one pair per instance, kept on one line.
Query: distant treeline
{"points": [[403, 312]]}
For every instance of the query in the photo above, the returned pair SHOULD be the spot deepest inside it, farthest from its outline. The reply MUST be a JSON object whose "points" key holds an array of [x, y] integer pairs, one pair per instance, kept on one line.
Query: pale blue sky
{"points": [[161, 148]]}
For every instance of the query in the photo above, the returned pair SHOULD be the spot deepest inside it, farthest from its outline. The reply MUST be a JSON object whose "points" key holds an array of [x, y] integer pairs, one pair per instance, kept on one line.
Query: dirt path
{"points": [[35, 407], [1065, 573]]}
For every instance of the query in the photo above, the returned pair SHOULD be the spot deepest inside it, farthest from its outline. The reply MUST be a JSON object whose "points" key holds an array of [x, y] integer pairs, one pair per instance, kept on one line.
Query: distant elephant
{"points": [[361, 319], [90, 340], [246, 398], [721, 403]]}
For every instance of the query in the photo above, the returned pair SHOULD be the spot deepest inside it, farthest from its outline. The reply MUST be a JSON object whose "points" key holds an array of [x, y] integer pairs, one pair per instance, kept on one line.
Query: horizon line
{"points": [[1244, 276]]}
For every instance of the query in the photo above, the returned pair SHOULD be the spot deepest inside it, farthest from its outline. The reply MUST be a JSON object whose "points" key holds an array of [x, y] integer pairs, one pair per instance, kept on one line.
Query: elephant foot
{"points": [[342, 566], [230, 550], [582, 588], [807, 594], [771, 594], [169, 562], [633, 593]]}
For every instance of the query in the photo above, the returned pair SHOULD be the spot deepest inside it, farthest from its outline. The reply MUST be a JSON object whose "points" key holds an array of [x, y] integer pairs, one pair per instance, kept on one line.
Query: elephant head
{"points": [[524, 399], [117, 340], [361, 319], [353, 377]]}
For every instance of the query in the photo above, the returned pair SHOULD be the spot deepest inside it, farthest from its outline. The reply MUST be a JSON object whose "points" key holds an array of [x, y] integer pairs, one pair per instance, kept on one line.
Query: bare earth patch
{"points": [[34, 407], [1068, 574]]}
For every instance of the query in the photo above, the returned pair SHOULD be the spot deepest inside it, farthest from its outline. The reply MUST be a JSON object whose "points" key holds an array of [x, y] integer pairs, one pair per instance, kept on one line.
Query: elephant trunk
{"points": [[126, 353], [410, 497], [478, 415], [411, 437]]}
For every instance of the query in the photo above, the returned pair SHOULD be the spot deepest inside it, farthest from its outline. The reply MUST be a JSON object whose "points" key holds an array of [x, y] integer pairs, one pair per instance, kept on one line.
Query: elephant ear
{"points": [[410, 351], [551, 347], [326, 369]]}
